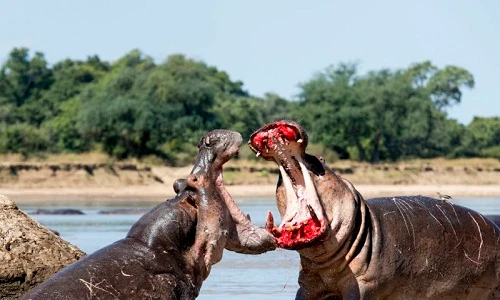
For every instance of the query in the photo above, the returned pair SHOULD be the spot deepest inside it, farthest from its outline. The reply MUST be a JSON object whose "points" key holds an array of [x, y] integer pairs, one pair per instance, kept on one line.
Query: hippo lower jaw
{"points": [[303, 217], [304, 222], [244, 236]]}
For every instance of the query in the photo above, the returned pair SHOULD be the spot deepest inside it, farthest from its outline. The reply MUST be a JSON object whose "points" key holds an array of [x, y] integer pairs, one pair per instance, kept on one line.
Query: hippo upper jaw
{"points": [[215, 149], [303, 217]]}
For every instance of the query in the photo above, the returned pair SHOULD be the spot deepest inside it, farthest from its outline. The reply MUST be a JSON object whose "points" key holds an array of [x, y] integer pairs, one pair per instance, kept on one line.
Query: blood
{"points": [[307, 231], [280, 129]]}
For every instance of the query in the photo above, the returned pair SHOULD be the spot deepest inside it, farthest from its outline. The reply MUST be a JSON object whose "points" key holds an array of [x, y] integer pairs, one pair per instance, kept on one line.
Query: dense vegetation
{"points": [[135, 107]]}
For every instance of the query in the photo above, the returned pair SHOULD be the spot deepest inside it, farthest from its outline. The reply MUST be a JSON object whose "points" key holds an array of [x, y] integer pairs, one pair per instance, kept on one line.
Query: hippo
{"points": [[403, 247], [168, 252], [124, 211], [244, 236], [59, 211]]}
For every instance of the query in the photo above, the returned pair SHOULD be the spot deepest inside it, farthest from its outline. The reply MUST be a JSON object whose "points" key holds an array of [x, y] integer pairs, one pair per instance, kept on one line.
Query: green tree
{"points": [[384, 114], [22, 81], [444, 86], [22, 138], [62, 131], [485, 134], [139, 106], [22, 77], [321, 100]]}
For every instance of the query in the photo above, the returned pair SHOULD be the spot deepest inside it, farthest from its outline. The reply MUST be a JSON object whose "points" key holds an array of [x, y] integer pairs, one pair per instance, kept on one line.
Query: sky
{"points": [[272, 46]]}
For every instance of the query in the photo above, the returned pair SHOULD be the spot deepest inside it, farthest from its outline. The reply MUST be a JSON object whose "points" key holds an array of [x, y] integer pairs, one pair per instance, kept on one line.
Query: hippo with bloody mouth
{"points": [[404, 247]]}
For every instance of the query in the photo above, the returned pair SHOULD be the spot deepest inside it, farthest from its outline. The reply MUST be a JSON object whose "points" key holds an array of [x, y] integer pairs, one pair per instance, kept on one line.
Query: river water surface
{"points": [[270, 275]]}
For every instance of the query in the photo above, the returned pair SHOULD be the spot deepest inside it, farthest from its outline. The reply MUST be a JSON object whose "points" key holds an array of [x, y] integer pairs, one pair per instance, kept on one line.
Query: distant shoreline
{"points": [[98, 182], [158, 193]]}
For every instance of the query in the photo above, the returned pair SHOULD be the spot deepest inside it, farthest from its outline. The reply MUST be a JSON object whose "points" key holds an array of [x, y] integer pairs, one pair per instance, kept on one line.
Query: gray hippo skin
{"points": [[168, 252], [409, 247]]}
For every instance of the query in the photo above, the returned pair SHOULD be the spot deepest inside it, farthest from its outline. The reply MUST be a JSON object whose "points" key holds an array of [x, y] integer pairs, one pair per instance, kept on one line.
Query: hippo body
{"points": [[442, 250], [169, 251], [404, 247], [138, 266]]}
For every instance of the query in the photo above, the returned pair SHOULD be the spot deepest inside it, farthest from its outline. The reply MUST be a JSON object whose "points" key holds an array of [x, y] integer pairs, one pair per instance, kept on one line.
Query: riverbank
{"points": [[154, 194], [132, 181]]}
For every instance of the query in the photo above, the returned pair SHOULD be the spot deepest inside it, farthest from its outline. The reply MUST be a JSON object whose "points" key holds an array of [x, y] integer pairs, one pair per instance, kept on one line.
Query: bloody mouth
{"points": [[303, 222], [296, 236]]}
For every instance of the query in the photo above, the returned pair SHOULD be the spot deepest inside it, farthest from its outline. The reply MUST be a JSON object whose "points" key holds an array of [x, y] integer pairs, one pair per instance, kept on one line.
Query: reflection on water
{"points": [[250, 276]]}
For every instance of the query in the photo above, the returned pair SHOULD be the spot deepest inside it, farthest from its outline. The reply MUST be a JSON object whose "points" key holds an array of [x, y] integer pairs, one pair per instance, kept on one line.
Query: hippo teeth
{"points": [[270, 227], [270, 221], [291, 228], [313, 214]]}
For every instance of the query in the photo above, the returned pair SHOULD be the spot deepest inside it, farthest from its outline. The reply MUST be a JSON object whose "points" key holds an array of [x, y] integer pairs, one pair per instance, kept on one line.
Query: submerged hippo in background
{"points": [[395, 248], [124, 211], [59, 211], [168, 252]]}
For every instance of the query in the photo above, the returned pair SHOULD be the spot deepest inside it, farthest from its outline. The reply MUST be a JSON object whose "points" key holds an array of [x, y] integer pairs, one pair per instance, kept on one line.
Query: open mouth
{"points": [[303, 219]]}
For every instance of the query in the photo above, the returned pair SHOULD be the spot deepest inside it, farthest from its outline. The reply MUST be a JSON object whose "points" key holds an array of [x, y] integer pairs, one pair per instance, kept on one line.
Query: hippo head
{"points": [[216, 148], [302, 214]]}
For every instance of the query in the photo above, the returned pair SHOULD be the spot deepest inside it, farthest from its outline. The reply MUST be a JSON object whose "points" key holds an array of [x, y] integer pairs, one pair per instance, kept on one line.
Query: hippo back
{"points": [[435, 241]]}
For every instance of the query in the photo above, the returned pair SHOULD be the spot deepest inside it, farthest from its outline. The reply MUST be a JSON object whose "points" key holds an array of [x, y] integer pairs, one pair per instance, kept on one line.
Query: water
{"points": [[273, 274]]}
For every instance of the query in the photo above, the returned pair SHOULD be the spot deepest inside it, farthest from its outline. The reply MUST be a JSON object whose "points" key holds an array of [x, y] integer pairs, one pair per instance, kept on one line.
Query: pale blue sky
{"points": [[272, 45]]}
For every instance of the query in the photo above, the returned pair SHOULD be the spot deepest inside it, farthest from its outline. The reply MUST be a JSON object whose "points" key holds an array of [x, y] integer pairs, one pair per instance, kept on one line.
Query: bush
{"points": [[22, 138], [493, 152]]}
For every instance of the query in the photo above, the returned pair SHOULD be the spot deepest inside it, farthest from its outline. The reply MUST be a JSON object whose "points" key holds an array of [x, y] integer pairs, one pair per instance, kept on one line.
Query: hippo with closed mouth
{"points": [[408, 247], [168, 252]]}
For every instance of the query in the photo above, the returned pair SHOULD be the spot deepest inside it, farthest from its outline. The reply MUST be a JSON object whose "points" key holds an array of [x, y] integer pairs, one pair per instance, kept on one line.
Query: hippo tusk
{"points": [[270, 227], [313, 214], [270, 222]]}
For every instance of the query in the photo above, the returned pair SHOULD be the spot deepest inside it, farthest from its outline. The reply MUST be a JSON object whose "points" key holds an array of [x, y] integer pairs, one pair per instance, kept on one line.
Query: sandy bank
{"points": [[121, 182], [158, 193]]}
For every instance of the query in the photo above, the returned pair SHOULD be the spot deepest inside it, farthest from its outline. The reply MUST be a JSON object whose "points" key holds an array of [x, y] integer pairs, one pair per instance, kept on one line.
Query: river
{"points": [[272, 274]]}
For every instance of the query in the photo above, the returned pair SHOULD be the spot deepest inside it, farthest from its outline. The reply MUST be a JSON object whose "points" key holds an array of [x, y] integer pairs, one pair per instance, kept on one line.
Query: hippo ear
{"points": [[202, 140], [315, 165], [179, 185]]}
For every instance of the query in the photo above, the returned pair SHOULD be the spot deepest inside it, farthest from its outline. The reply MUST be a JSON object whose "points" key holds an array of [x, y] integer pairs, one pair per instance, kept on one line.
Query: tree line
{"points": [[134, 107]]}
